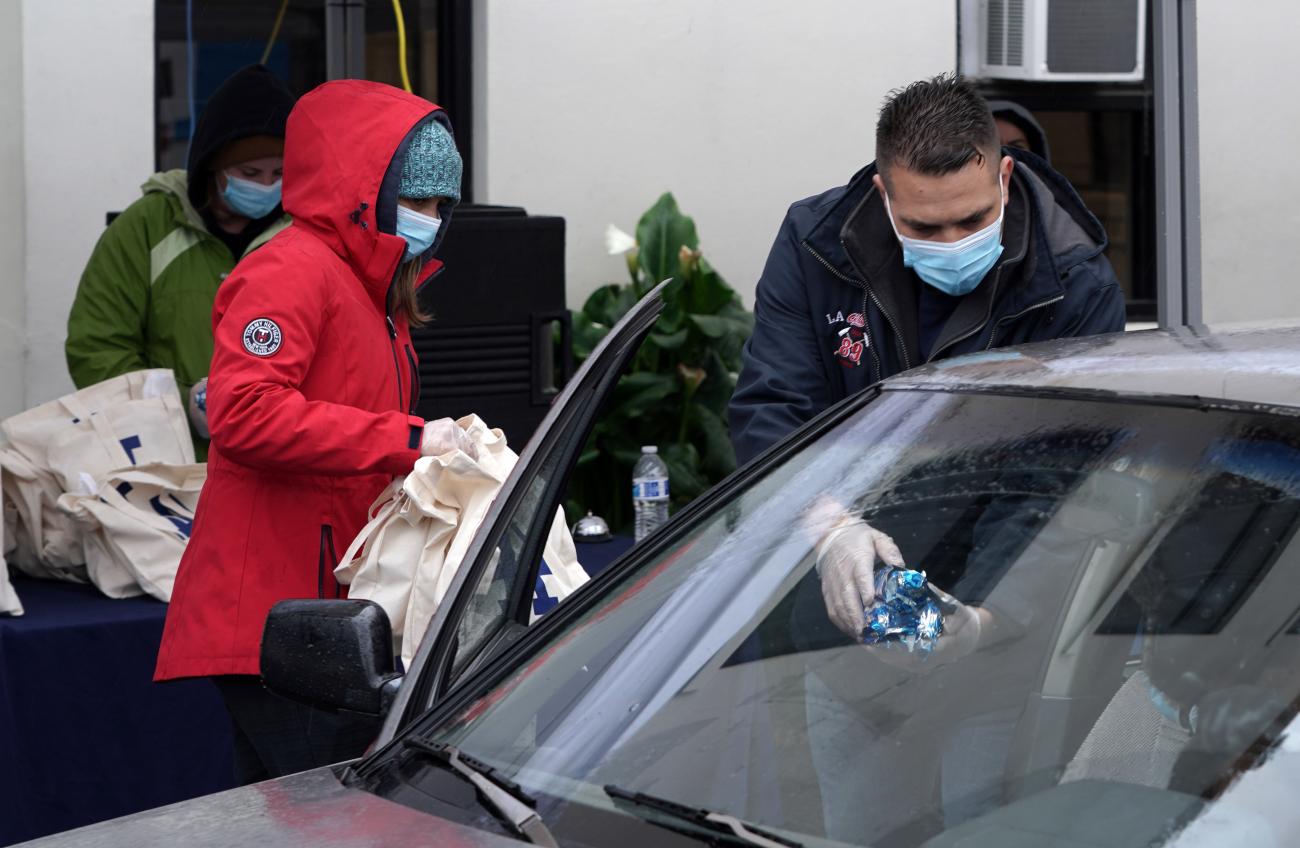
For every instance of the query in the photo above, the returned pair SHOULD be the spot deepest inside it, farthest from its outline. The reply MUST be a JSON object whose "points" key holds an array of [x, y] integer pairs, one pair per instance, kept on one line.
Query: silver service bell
{"points": [[590, 528]]}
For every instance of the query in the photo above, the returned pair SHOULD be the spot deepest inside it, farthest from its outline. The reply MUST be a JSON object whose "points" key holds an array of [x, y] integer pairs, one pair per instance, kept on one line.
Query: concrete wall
{"points": [[87, 144], [12, 224], [1250, 183], [590, 109]]}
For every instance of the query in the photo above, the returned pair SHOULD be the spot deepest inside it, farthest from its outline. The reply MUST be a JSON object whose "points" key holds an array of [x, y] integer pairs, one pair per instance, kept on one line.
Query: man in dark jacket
{"points": [[947, 244], [985, 247]]}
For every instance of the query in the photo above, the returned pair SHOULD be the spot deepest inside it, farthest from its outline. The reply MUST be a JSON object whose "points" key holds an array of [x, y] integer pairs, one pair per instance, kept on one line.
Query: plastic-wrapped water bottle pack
{"points": [[905, 613]]}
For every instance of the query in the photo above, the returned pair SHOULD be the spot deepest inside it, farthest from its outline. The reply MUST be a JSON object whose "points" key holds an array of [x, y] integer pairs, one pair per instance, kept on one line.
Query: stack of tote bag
{"points": [[100, 485], [404, 559]]}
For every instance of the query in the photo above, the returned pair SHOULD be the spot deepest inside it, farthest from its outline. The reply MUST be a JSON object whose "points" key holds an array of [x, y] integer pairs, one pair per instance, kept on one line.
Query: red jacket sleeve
{"points": [[257, 414]]}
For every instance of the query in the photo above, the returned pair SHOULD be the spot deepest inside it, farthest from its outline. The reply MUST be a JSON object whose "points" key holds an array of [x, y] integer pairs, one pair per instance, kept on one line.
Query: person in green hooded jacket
{"points": [[145, 298]]}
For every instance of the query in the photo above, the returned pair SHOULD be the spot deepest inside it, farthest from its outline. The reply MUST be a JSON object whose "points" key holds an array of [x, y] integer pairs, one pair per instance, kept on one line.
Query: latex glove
{"points": [[444, 435], [846, 560], [962, 626], [198, 407]]}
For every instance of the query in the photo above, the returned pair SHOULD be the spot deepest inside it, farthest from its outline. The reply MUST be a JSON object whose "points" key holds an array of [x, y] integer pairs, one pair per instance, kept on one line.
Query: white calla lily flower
{"points": [[617, 241]]}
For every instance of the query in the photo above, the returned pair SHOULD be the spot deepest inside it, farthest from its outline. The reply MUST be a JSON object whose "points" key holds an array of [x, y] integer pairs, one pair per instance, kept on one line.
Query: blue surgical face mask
{"points": [[418, 230], [954, 268], [250, 199]]}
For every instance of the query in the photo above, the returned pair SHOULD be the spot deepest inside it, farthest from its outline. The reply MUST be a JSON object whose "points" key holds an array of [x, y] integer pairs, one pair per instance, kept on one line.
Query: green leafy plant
{"points": [[676, 391]]}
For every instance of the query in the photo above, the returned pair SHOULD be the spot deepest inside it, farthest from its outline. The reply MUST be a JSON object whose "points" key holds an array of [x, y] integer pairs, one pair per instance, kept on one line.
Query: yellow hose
{"points": [[401, 43], [275, 31]]}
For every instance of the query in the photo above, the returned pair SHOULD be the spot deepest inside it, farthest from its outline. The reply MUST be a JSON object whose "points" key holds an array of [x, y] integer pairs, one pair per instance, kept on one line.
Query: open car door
{"points": [[488, 604]]}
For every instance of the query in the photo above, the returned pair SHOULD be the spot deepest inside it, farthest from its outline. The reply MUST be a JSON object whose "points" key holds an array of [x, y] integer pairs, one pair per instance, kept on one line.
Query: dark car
{"points": [[1124, 508]]}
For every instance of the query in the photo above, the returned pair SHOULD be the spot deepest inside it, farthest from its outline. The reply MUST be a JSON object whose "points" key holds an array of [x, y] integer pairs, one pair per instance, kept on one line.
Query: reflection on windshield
{"points": [[1135, 564]]}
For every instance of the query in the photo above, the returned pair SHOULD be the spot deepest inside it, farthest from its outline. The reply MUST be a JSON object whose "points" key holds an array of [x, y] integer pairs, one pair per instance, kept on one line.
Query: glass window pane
{"points": [[1128, 562], [488, 613], [229, 34]]}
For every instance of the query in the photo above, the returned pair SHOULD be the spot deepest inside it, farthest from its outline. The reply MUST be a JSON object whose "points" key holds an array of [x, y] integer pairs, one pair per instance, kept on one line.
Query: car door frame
{"points": [[565, 428]]}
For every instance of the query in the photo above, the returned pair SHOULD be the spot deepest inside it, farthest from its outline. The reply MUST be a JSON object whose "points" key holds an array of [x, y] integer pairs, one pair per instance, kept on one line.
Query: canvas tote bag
{"points": [[421, 526], [136, 526], [9, 603], [143, 420], [69, 444], [45, 542]]}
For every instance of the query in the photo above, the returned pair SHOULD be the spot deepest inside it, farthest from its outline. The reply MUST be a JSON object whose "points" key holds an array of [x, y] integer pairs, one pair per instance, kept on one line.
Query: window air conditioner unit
{"points": [[1054, 40]]}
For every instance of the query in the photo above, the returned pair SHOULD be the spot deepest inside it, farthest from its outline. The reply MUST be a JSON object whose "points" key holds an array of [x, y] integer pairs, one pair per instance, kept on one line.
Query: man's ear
{"points": [[1005, 167], [879, 183]]}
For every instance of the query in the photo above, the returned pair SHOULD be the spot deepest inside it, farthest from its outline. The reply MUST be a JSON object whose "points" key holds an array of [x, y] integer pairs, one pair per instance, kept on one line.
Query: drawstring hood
{"points": [[342, 166]]}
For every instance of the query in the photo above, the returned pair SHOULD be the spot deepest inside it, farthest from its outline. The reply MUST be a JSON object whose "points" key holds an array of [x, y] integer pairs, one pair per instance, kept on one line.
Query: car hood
{"points": [[311, 808], [1256, 363]]}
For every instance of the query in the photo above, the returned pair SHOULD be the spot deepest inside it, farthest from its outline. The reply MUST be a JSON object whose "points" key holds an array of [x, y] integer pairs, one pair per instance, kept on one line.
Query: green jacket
{"points": [[145, 298]]}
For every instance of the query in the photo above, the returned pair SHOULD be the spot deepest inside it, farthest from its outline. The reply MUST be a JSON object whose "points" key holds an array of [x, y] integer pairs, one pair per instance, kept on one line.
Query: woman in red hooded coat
{"points": [[310, 401]]}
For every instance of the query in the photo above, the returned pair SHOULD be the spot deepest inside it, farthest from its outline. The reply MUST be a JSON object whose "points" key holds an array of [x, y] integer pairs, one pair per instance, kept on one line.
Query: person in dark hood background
{"points": [[145, 298], [1018, 128]]}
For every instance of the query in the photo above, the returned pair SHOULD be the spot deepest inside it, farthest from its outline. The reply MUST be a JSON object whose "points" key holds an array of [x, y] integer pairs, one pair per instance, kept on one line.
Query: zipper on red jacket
{"points": [[327, 559], [415, 378], [392, 338]]}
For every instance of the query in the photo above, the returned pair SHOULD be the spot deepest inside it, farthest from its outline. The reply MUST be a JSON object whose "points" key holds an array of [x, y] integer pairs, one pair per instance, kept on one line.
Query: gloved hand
{"points": [[444, 435], [198, 407], [962, 626], [846, 558]]}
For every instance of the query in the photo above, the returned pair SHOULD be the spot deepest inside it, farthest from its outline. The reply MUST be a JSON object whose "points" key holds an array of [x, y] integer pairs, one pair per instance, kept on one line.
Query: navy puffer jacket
{"points": [[836, 311]]}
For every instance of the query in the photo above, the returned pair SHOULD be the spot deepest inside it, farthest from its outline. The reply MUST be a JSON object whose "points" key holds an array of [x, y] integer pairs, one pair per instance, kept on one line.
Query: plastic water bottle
{"points": [[649, 492]]}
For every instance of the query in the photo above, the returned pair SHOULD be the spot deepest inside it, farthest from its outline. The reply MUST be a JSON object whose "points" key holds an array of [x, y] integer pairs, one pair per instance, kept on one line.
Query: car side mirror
{"points": [[330, 654]]}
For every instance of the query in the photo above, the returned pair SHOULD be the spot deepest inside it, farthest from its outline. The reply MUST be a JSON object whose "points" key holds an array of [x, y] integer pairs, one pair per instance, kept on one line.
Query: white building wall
{"points": [[1250, 181], [590, 109], [12, 224], [87, 144]]}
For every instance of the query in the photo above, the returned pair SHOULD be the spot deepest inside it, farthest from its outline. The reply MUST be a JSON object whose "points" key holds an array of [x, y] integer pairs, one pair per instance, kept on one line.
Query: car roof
{"points": [[1248, 363]]}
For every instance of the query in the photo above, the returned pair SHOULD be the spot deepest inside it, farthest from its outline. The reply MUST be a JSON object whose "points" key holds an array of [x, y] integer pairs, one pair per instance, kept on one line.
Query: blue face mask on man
{"points": [[418, 230], [250, 199], [954, 268]]}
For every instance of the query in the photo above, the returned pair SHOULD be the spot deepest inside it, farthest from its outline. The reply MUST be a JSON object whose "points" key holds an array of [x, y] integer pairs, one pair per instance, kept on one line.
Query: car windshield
{"points": [[1137, 573]]}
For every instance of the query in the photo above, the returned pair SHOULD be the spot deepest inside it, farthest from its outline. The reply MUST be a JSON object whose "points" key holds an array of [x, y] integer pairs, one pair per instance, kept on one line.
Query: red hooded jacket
{"points": [[311, 387]]}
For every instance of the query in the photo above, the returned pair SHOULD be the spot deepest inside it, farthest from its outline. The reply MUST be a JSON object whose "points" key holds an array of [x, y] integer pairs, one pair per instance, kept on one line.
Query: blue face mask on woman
{"points": [[954, 268], [250, 199], [418, 230]]}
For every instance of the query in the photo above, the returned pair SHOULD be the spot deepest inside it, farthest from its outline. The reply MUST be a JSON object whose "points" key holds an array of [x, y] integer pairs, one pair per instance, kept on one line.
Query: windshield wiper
{"points": [[504, 797], [726, 826]]}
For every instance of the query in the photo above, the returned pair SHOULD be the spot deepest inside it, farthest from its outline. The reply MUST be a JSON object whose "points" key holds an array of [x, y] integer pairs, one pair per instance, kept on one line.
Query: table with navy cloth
{"points": [[85, 735]]}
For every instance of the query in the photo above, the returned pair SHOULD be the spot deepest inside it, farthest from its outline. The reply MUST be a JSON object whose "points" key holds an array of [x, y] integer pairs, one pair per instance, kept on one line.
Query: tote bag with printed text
{"points": [[420, 529], [136, 527]]}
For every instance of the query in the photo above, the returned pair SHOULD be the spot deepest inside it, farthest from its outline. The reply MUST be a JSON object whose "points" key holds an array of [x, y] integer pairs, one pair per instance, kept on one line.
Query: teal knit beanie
{"points": [[433, 166]]}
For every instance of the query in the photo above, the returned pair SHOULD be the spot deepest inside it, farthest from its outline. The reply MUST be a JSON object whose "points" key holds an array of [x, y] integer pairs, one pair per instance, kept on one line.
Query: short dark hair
{"points": [[935, 126]]}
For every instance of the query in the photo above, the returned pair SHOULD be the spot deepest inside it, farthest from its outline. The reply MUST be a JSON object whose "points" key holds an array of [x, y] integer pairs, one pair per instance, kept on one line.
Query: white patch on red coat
{"points": [[262, 337]]}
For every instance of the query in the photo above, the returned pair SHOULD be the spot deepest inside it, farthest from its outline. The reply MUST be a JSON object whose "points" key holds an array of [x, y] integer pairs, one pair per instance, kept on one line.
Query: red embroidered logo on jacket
{"points": [[850, 349], [850, 340]]}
